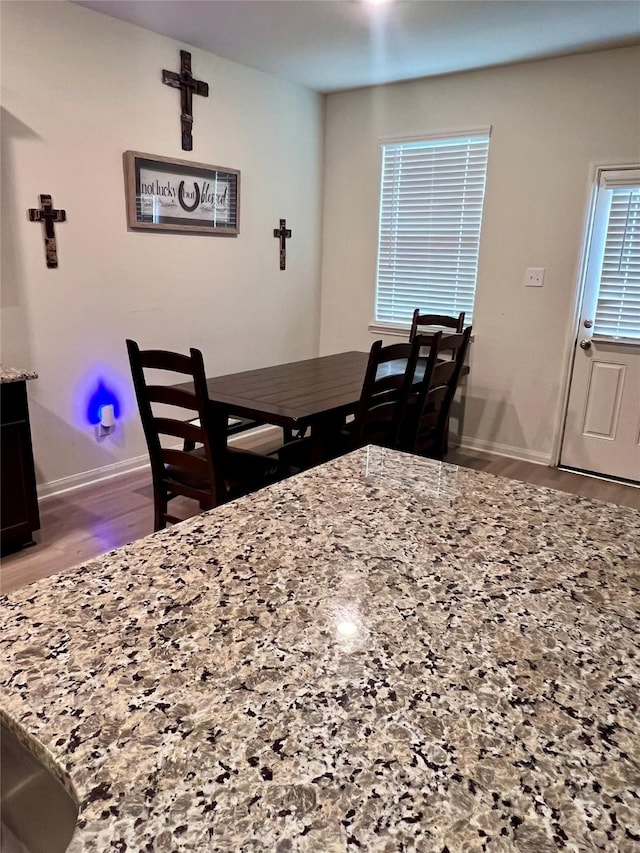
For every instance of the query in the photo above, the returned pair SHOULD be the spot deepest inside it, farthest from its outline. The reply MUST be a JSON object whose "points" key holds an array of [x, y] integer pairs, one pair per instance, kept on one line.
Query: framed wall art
{"points": [[178, 195]]}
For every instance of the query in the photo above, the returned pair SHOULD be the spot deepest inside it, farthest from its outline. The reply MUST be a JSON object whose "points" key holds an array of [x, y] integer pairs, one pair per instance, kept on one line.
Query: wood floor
{"points": [[80, 525]]}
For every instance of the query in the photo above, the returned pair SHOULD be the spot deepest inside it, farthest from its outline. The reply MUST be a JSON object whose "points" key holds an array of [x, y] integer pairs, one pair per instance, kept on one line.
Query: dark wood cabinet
{"points": [[19, 515]]}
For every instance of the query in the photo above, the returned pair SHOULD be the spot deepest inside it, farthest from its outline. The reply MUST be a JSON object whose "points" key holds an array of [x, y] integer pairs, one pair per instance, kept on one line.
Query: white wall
{"points": [[550, 120], [78, 89]]}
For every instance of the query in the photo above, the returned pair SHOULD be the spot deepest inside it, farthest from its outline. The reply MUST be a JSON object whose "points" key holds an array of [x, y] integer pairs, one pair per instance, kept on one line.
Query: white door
{"points": [[602, 426]]}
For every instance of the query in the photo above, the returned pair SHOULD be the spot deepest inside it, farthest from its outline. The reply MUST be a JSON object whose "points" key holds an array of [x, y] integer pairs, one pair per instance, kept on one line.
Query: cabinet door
{"points": [[14, 497], [18, 496]]}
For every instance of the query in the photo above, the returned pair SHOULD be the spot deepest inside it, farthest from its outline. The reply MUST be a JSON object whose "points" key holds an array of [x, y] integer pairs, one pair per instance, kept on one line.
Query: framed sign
{"points": [[178, 195]]}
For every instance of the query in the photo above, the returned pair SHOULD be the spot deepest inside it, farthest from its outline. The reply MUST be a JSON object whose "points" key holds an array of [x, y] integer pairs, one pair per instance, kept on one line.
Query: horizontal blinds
{"points": [[618, 305], [430, 217]]}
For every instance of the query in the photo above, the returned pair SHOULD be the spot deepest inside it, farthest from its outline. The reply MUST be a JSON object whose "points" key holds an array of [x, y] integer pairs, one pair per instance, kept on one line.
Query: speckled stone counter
{"points": [[15, 374], [382, 654]]}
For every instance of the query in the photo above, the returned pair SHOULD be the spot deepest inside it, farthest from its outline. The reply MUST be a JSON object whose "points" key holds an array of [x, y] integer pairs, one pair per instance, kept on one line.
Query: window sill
{"points": [[396, 331], [389, 329]]}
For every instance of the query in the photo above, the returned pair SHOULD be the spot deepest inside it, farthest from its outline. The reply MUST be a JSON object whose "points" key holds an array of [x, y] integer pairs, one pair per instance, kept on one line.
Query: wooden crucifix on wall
{"points": [[283, 233], [48, 214], [188, 88]]}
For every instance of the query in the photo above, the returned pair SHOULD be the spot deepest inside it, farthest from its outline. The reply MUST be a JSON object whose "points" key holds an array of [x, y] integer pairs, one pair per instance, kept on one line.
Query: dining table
{"points": [[296, 394], [314, 393]]}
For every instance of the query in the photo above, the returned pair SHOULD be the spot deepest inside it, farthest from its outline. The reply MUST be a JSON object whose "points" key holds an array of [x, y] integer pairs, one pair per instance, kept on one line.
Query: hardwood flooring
{"points": [[541, 475], [80, 525]]}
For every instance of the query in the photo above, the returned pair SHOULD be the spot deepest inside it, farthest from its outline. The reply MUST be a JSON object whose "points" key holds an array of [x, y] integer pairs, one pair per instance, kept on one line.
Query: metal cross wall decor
{"points": [[283, 233], [188, 87], [48, 214]]}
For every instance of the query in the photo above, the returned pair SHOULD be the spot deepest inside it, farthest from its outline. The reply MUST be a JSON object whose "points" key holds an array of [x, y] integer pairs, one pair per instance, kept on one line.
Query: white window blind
{"points": [[430, 216], [618, 305]]}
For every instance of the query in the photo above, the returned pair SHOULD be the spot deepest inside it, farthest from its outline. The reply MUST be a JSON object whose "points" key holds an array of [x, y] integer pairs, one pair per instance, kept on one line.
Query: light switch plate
{"points": [[534, 277]]}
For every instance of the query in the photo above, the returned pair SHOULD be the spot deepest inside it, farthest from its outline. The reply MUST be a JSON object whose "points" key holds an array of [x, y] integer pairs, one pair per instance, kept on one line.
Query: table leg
{"points": [[325, 438]]}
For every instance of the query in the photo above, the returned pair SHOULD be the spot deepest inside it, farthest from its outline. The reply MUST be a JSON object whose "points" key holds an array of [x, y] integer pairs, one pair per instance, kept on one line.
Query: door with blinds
{"points": [[602, 426]]}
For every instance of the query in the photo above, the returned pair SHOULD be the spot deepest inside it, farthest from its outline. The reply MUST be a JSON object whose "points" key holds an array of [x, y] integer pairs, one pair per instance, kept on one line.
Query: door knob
{"points": [[585, 344]]}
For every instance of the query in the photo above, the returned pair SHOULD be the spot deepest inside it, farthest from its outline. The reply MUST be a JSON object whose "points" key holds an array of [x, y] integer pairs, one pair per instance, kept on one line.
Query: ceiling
{"points": [[331, 45]]}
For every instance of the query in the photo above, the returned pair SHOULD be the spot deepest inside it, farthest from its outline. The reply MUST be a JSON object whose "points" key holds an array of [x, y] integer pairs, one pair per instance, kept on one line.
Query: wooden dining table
{"points": [[315, 393], [294, 395]]}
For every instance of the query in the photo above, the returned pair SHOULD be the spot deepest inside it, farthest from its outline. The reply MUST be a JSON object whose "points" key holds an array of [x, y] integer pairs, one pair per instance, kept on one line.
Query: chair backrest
{"points": [[385, 392], [167, 414], [431, 320], [425, 432]]}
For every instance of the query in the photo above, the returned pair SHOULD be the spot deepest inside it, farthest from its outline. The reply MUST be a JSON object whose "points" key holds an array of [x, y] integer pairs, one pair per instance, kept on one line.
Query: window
{"points": [[430, 216], [613, 268]]}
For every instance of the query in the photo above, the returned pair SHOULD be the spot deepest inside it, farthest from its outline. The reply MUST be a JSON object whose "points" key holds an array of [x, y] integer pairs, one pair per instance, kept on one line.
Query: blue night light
{"points": [[102, 396]]}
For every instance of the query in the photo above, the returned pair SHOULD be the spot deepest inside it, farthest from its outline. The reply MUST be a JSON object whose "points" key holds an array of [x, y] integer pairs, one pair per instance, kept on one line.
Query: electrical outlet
{"points": [[534, 277]]}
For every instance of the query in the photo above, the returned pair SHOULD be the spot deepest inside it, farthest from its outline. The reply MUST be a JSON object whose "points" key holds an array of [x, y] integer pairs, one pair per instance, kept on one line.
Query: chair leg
{"points": [[159, 510]]}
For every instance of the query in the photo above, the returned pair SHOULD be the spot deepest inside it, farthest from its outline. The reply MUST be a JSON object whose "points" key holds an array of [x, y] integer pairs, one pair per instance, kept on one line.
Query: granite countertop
{"points": [[15, 374], [385, 653]]}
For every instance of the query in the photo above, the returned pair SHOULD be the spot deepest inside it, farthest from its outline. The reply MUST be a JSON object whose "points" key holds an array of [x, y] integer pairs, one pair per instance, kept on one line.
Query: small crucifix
{"points": [[48, 214], [188, 87], [283, 233]]}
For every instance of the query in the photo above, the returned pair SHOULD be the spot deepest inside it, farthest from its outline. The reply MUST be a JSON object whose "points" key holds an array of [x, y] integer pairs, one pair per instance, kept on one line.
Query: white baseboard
{"points": [[255, 437], [95, 475], [520, 453], [127, 466]]}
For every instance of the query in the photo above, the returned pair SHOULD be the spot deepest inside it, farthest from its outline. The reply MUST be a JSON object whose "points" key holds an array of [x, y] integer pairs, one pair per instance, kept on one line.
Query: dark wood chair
{"points": [[203, 469], [384, 396], [385, 393], [426, 417], [434, 320]]}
